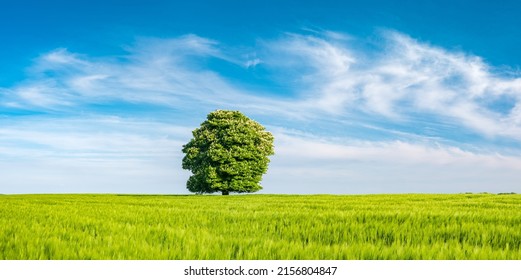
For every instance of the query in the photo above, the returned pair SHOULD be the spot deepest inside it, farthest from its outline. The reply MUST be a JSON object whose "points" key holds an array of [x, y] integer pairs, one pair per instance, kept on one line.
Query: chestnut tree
{"points": [[228, 153]]}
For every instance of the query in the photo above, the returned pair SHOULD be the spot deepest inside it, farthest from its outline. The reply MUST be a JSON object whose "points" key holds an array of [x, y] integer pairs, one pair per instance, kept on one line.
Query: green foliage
{"points": [[405, 227], [228, 153]]}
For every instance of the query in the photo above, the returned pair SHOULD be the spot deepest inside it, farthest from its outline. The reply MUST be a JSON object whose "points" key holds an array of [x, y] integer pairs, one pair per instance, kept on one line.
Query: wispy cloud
{"points": [[401, 80], [398, 81], [309, 164], [91, 138], [155, 71], [334, 104], [99, 154]]}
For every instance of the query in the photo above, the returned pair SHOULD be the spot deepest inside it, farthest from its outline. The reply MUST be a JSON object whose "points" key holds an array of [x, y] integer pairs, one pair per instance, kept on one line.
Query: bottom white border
{"points": [[128, 270]]}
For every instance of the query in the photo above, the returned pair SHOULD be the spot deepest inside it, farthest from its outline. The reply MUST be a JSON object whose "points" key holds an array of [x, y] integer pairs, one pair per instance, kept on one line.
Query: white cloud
{"points": [[307, 164], [87, 83], [92, 155], [58, 58], [43, 95], [134, 156], [98, 138], [402, 89], [403, 79], [389, 152], [253, 62], [327, 76]]}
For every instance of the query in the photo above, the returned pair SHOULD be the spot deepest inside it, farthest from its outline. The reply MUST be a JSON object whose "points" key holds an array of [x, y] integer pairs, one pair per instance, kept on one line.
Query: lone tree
{"points": [[228, 153]]}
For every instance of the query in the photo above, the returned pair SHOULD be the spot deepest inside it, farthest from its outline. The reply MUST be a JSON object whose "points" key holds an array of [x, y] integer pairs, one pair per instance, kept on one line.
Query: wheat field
{"points": [[244, 227]]}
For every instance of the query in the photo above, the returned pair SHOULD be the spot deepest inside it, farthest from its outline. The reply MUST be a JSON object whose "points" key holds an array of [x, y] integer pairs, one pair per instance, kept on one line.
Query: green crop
{"points": [[462, 226]]}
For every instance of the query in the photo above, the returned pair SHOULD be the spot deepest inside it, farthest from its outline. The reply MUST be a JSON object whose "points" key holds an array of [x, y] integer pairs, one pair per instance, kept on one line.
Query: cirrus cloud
{"points": [[340, 111]]}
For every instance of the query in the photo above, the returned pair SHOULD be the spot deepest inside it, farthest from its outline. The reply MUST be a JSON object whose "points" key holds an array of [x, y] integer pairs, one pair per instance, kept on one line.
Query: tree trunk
{"points": [[226, 192]]}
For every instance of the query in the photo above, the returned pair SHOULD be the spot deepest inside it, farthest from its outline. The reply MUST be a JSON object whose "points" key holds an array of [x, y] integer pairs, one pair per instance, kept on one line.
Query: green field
{"points": [[462, 226]]}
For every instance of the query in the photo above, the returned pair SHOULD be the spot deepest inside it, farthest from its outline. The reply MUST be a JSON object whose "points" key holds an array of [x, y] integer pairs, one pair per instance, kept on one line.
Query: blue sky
{"points": [[361, 96]]}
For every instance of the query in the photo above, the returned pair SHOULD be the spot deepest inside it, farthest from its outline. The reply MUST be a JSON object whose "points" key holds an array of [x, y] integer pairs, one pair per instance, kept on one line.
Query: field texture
{"points": [[474, 226]]}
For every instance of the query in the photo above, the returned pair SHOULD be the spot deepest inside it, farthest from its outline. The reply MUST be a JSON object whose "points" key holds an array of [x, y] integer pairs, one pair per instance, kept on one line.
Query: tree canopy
{"points": [[228, 153]]}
